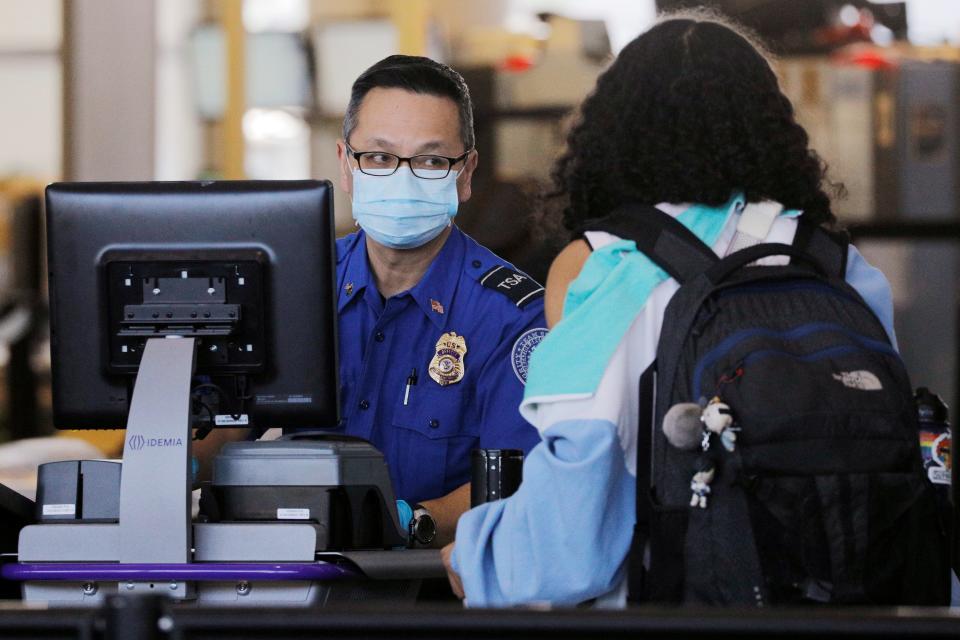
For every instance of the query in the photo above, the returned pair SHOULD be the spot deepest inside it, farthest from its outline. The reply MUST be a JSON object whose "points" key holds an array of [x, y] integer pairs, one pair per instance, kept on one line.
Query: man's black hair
{"points": [[417, 75]]}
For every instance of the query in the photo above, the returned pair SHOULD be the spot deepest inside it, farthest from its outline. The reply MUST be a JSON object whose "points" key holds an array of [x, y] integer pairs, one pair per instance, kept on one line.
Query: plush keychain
{"points": [[718, 419], [687, 425], [700, 484]]}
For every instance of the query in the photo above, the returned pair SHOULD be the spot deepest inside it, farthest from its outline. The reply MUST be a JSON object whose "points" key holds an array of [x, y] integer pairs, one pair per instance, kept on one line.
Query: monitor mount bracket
{"points": [[155, 481]]}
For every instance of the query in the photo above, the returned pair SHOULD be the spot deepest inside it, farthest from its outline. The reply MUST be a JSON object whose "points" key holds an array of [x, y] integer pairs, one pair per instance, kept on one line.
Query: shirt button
{"points": [[364, 404], [434, 423], [476, 264], [379, 336]]}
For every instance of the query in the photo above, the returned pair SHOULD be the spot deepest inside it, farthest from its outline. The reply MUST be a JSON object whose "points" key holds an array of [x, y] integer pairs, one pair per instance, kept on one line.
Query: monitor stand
{"points": [[154, 527], [155, 479]]}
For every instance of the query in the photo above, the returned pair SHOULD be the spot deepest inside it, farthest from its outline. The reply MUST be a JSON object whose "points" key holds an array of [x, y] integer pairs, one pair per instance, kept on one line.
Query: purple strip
{"points": [[199, 571]]}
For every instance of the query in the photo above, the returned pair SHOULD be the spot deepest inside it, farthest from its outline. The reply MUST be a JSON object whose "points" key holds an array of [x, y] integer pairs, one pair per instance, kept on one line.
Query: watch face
{"points": [[424, 529]]}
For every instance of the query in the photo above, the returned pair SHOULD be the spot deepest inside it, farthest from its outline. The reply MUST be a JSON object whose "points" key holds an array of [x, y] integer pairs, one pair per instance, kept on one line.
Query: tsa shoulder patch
{"points": [[523, 349], [516, 285]]}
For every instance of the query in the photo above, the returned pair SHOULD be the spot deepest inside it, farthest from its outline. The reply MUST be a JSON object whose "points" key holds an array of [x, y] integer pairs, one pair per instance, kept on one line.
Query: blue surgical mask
{"points": [[403, 211]]}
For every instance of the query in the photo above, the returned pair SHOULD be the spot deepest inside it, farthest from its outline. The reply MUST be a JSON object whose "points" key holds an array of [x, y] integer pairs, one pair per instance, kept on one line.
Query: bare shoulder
{"points": [[564, 270]]}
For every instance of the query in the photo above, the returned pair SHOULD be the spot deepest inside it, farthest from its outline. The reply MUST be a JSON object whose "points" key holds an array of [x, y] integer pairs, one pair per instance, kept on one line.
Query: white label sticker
{"points": [[862, 380], [939, 475], [295, 398], [293, 514], [59, 509], [228, 421]]}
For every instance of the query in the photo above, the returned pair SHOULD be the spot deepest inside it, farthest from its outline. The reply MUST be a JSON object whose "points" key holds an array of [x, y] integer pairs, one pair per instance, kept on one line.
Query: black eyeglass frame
{"points": [[400, 160]]}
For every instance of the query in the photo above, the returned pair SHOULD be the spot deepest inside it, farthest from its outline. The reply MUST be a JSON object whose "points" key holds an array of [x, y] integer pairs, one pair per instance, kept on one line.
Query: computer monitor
{"points": [[246, 268]]}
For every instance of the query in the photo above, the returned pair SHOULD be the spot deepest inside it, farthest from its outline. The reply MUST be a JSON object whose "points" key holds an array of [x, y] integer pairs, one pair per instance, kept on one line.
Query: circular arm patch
{"points": [[523, 349]]}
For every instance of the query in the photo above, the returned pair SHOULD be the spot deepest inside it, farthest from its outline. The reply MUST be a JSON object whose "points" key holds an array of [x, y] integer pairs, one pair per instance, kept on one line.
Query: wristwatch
{"points": [[423, 528]]}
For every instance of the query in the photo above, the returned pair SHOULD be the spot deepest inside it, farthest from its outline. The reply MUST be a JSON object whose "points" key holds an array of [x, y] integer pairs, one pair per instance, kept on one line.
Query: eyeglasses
{"points": [[426, 166]]}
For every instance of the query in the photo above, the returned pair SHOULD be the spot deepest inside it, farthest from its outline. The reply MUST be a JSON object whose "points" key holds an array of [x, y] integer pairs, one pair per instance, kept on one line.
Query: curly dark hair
{"points": [[688, 112]]}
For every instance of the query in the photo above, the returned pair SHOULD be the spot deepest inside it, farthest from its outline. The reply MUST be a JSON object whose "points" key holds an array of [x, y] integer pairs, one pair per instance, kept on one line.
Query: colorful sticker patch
{"points": [[935, 448]]}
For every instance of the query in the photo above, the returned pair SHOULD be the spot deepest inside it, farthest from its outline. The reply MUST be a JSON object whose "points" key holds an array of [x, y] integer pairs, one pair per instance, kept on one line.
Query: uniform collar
{"points": [[357, 277], [433, 294]]}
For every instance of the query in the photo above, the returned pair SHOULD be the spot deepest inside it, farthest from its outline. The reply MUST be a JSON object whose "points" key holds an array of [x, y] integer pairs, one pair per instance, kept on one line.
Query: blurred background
{"points": [[233, 89]]}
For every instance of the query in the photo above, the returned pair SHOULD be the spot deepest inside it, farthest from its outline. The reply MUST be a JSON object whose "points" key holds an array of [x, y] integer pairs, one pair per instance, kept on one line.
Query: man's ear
{"points": [[466, 175], [346, 172]]}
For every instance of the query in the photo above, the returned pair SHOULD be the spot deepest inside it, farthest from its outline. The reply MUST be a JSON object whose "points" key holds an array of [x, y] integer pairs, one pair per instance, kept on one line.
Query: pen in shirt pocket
{"points": [[411, 381]]}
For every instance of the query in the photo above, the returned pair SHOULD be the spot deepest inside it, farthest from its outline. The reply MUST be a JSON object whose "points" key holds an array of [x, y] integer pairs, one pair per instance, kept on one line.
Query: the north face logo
{"points": [[862, 380]]}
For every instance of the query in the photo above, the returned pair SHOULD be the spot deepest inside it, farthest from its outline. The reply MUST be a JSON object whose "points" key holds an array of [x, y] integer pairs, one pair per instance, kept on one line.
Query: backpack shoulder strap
{"points": [[828, 248], [637, 591], [660, 237]]}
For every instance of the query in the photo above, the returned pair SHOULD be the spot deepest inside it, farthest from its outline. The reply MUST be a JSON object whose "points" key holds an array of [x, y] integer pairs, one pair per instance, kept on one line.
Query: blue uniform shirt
{"points": [[428, 432]]}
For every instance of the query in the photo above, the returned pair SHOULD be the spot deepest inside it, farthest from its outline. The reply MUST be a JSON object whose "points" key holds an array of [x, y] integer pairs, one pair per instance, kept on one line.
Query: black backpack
{"points": [[816, 492]]}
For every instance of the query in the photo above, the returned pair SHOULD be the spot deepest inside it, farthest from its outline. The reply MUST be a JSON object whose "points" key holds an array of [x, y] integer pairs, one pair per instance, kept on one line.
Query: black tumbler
{"points": [[496, 474]]}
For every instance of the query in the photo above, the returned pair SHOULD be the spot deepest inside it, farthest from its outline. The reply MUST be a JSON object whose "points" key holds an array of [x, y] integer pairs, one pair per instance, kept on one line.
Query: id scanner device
{"points": [[179, 307]]}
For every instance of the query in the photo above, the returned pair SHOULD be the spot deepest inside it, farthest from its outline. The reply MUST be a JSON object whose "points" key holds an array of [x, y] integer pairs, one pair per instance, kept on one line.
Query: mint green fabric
{"points": [[601, 304]]}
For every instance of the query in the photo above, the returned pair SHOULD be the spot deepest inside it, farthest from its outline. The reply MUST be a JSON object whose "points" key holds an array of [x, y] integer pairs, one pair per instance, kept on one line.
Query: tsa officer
{"points": [[435, 330]]}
